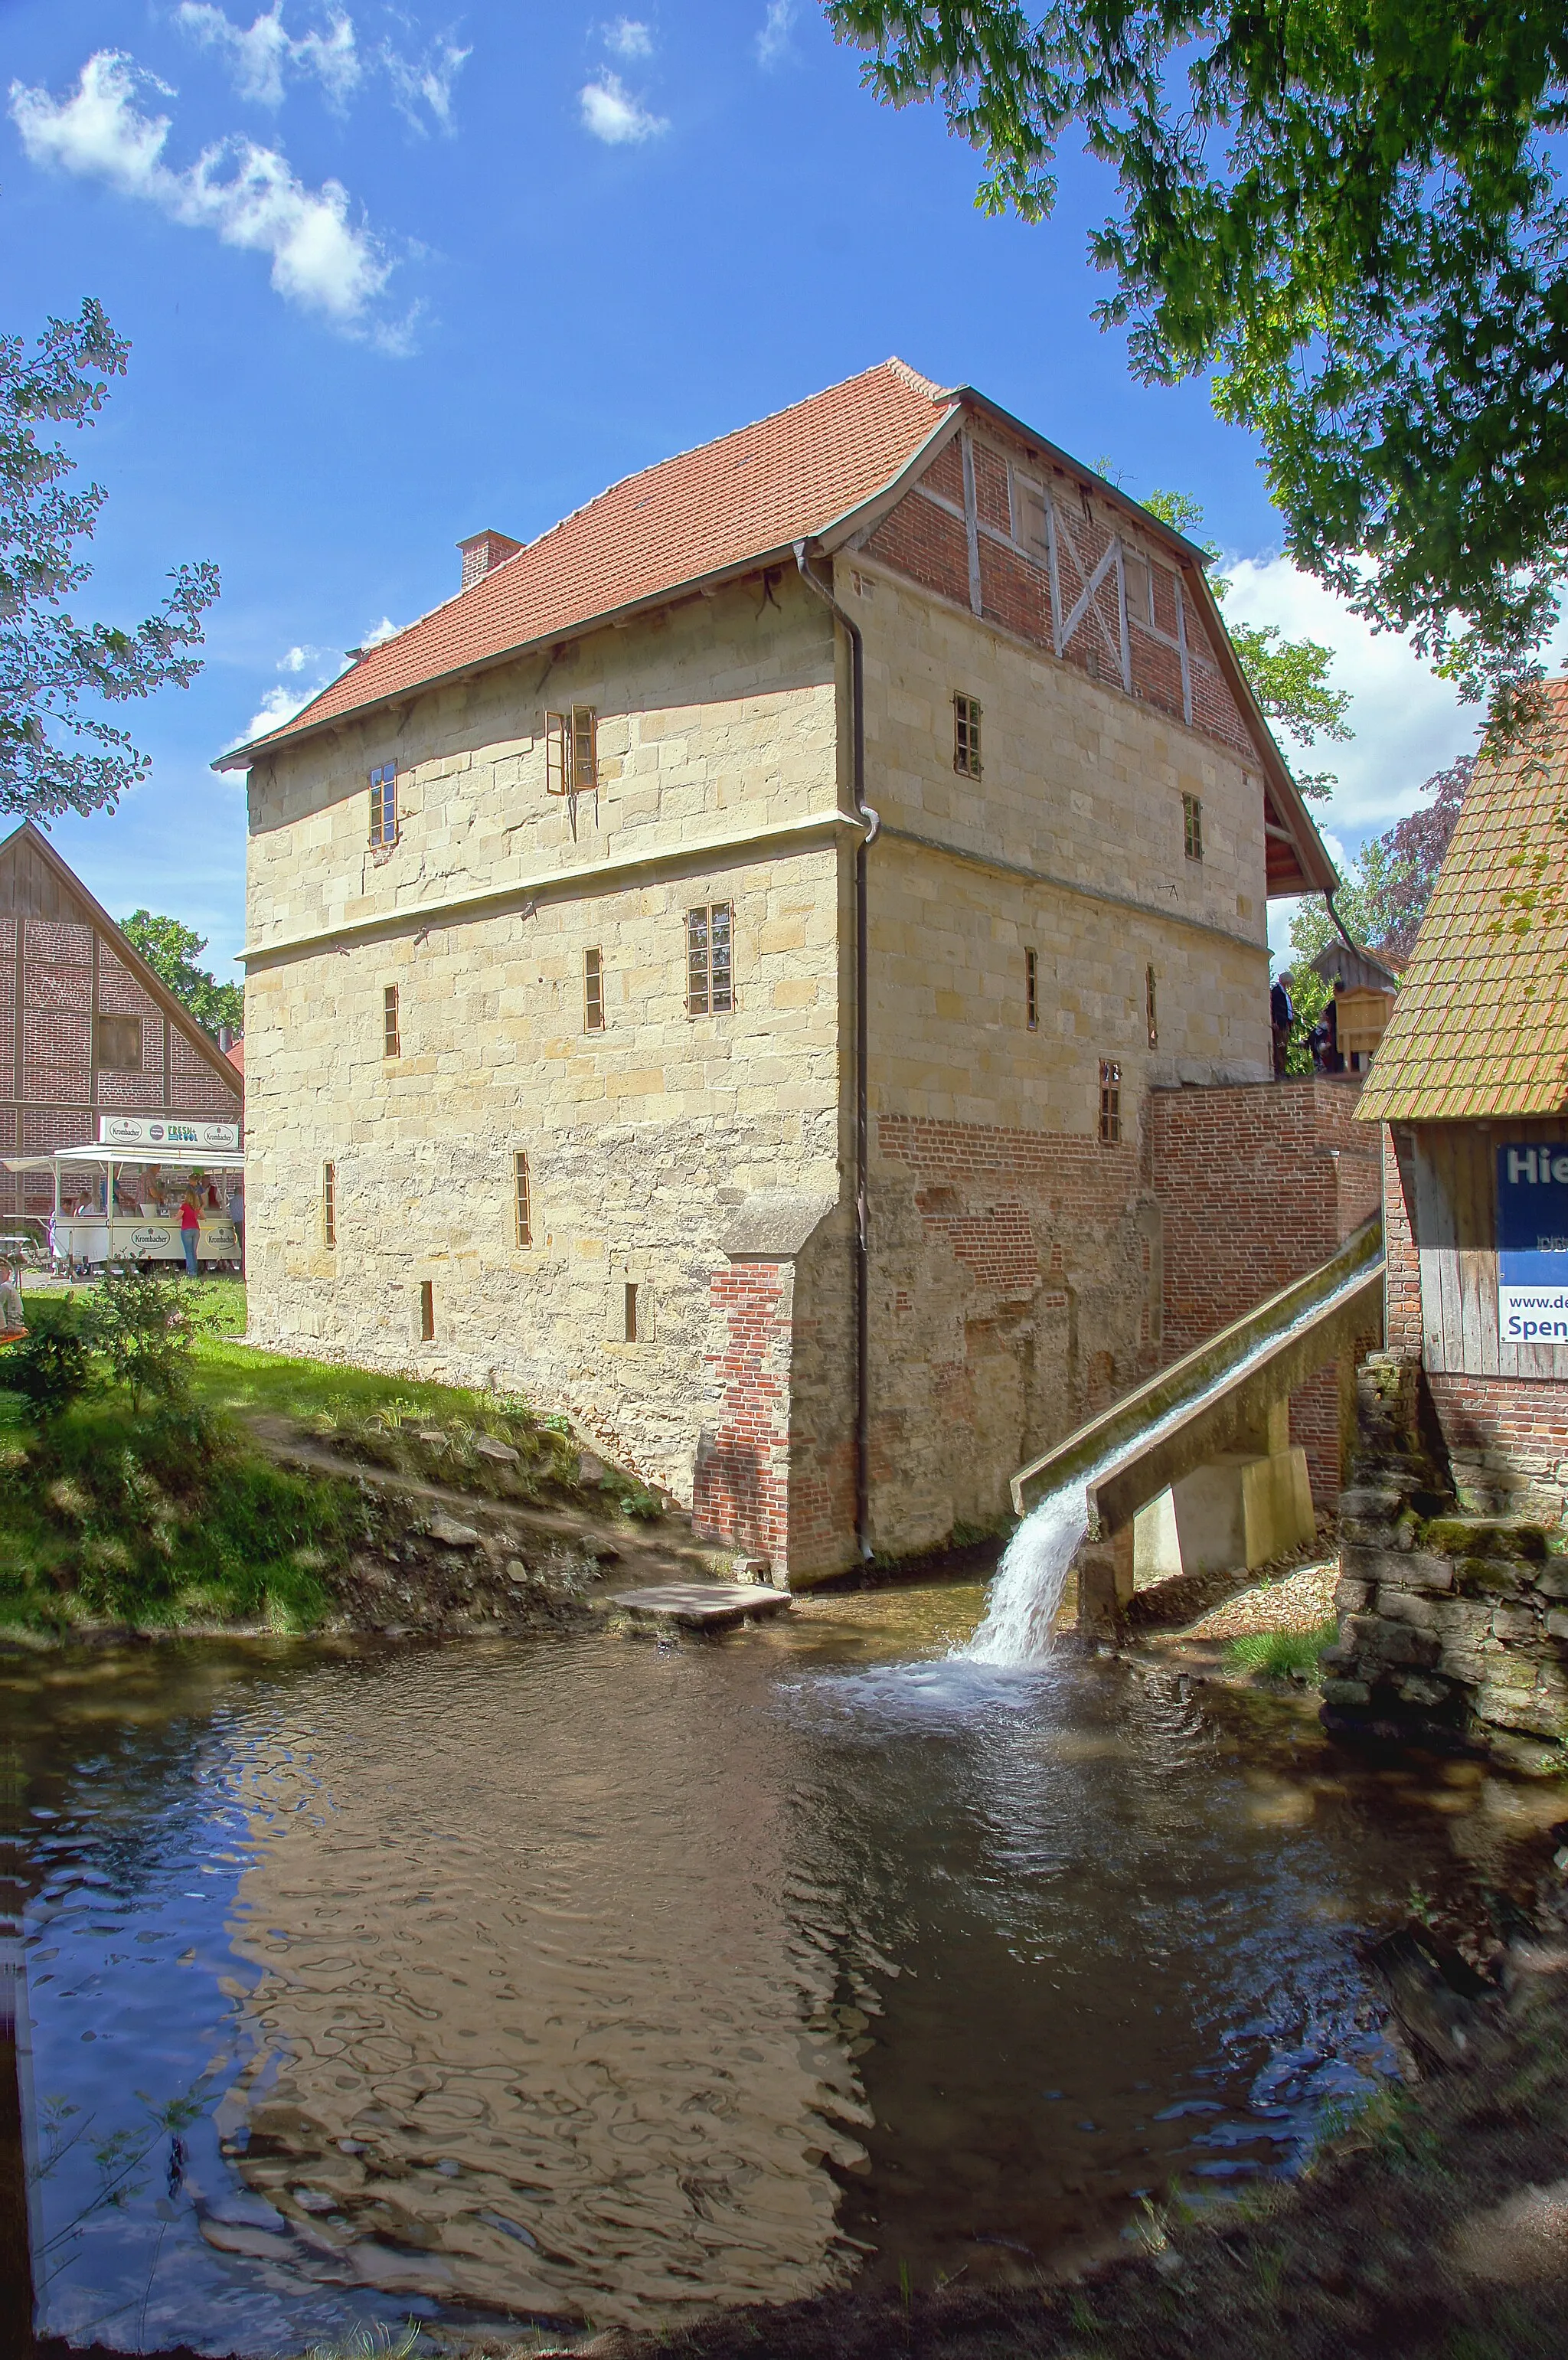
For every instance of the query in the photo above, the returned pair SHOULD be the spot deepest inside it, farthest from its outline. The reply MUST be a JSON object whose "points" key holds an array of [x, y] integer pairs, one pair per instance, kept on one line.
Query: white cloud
{"points": [[613, 116], [431, 78], [263, 55], [279, 704], [628, 38], [298, 658], [773, 41], [384, 629], [248, 196]]}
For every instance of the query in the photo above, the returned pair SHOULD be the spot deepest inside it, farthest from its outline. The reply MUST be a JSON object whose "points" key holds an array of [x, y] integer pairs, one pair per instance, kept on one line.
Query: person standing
{"points": [[189, 1231], [13, 1318], [236, 1214], [1282, 1017]]}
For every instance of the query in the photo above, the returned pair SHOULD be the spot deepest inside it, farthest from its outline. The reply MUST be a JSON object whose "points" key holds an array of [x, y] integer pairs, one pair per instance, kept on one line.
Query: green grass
{"points": [[1281, 1654]]}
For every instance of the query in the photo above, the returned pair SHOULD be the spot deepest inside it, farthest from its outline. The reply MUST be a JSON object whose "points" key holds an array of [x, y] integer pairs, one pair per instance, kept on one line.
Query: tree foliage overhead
{"points": [[171, 950], [1288, 677], [59, 751], [1347, 211]]}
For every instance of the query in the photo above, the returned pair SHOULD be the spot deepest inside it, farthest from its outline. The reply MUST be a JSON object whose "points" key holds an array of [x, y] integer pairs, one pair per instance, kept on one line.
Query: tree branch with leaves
{"points": [[59, 750]]}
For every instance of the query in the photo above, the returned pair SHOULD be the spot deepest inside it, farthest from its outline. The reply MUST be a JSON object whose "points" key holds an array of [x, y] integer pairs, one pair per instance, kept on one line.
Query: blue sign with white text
{"points": [[1532, 1243]]}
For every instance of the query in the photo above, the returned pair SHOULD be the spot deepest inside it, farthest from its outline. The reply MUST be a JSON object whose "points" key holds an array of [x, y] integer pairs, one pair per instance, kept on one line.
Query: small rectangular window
{"points": [[384, 805], [119, 1047], [1151, 1007], [631, 1312], [966, 735], [391, 1041], [1031, 991], [571, 751], [426, 1311], [1110, 1102], [710, 966], [593, 991], [1193, 827], [521, 1206], [329, 1204]]}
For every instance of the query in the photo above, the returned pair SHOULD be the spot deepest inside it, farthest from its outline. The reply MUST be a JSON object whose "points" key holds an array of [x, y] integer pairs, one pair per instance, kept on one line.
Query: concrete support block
{"points": [[1238, 1511]]}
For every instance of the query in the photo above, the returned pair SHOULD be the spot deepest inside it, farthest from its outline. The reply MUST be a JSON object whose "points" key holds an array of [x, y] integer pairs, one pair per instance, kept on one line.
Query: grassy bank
{"points": [[165, 1512]]}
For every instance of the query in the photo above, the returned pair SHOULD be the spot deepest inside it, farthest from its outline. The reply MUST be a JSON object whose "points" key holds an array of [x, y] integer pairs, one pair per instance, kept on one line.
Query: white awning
{"points": [[75, 1158]]}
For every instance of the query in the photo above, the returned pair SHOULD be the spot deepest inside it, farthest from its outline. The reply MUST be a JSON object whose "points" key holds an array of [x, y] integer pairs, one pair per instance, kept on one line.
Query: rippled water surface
{"points": [[578, 1980]]}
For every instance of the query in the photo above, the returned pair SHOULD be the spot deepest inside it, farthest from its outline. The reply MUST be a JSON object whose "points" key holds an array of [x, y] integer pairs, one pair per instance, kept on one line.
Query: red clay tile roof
{"points": [[748, 494], [1480, 1026]]}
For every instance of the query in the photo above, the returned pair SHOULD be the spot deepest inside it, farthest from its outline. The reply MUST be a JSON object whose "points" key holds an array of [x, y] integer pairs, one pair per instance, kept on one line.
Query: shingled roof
{"points": [[1480, 1027], [730, 503]]}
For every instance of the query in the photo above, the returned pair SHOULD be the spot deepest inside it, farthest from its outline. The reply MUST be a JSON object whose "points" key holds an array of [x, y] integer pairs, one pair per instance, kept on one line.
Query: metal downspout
{"points": [[861, 1116]]}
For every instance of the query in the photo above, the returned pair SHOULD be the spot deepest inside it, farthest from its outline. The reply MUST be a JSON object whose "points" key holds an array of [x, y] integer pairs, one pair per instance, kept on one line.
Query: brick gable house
{"points": [[713, 972], [88, 1027]]}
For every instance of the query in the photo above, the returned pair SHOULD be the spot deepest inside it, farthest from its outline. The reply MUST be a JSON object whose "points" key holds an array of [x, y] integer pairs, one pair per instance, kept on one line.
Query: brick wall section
{"points": [[1257, 1185], [741, 1490], [930, 545], [1508, 1443]]}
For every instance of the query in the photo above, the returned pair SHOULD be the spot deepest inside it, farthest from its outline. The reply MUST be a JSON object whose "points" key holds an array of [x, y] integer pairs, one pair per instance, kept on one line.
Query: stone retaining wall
{"points": [[1453, 1627]]}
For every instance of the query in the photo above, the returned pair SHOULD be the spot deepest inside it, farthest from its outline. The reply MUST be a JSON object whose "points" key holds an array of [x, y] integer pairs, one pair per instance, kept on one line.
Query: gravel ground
{"points": [[1301, 1601]]}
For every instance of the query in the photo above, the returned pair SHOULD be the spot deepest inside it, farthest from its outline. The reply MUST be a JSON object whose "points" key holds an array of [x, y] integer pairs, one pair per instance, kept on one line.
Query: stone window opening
{"points": [[1110, 1102], [710, 960], [119, 1044], [329, 1204], [426, 1311], [631, 1311], [1151, 1007], [1031, 991], [521, 1204], [391, 1039], [383, 806], [593, 991], [1193, 827], [966, 735]]}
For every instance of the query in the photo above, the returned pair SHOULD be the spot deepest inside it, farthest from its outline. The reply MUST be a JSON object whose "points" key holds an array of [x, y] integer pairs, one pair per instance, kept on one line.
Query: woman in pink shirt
{"points": [[189, 1231]]}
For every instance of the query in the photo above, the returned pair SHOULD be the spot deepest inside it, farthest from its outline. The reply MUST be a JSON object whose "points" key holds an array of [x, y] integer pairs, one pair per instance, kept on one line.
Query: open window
{"points": [[571, 751]]}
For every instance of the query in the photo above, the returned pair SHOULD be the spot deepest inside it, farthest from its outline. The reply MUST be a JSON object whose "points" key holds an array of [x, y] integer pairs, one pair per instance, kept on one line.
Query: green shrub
{"points": [[1281, 1654], [50, 1367], [140, 1325]]}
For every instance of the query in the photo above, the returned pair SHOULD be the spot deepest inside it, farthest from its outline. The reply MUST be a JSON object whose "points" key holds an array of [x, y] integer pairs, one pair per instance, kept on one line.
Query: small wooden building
{"points": [[86, 1028], [1471, 1084], [1364, 985]]}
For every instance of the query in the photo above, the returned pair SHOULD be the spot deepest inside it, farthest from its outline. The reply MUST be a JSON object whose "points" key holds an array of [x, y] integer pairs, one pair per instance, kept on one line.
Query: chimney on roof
{"points": [[481, 551]]}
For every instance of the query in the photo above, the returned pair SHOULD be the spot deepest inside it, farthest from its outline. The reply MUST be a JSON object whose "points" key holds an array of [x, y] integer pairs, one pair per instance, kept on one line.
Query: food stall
{"points": [[117, 1180]]}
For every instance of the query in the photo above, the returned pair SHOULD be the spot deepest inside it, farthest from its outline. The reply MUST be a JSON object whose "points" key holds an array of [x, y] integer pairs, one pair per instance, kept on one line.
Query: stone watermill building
{"points": [[721, 972]]}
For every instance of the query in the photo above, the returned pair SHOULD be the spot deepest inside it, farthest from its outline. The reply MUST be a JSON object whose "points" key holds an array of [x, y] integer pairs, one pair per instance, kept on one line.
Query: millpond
{"points": [[590, 1980]]}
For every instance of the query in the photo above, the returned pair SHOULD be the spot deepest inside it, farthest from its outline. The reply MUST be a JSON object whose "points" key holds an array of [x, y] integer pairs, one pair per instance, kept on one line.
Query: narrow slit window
{"points": [[521, 1203], [329, 1204], [593, 991], [426, 1311], [391, 1039], [1031, 991], [631, 1311], [1193, 827], [383, 806], [1110, 1102], [966, 735], [710, 960], [1151, 1006]]}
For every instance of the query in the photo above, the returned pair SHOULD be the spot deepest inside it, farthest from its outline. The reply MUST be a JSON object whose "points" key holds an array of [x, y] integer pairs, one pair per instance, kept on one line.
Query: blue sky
{"points": [[391, 275]]}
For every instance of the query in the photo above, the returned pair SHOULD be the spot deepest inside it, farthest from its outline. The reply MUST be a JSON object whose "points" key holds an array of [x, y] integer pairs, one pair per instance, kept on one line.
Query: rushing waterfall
{"points": [[1026, 1590]]}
